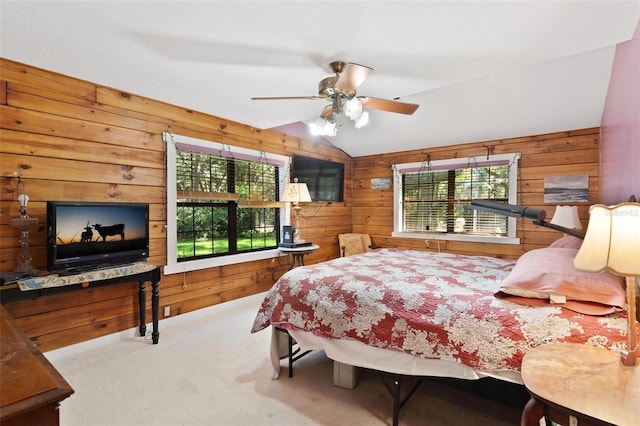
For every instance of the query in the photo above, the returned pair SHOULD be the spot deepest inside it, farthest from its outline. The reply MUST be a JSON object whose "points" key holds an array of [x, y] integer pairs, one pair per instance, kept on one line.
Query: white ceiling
{"points": [[480, 70]]}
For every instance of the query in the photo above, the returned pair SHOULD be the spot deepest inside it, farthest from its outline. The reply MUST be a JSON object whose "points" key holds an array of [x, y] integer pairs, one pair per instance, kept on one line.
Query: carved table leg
{"points": [[155, 302], [142, 298]]}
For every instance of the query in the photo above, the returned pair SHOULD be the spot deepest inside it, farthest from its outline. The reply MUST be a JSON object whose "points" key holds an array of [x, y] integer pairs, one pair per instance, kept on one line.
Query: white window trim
{"points": [[430, 235], [173, 266]]}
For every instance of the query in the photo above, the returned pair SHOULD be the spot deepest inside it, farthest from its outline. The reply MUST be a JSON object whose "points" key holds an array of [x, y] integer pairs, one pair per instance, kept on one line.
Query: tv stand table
{"points": [[142, 272]]}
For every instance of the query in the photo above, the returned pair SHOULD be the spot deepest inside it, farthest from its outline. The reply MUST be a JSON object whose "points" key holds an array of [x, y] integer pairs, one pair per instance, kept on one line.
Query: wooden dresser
{"points": [[30, 388]]}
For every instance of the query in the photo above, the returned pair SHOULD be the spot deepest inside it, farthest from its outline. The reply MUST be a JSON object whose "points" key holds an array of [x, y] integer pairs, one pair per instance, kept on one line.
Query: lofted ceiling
{"points": [[480, 70]]}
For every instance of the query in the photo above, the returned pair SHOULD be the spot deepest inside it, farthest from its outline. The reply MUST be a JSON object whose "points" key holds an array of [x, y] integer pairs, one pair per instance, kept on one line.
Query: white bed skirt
{"points": [[357, 354]]}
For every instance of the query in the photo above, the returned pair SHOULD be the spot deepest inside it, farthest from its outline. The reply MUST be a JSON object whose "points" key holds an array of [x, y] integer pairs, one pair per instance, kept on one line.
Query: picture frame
{"points": [[566, 189], [287, 234]]}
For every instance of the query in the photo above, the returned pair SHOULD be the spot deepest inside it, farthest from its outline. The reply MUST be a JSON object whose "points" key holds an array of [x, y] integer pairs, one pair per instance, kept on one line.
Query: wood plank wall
{"points": [[75, 140], [555, 154]]}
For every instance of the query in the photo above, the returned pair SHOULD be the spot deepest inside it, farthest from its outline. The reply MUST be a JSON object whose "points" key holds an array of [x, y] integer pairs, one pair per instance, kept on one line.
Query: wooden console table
{"points": [[579, 384], [30, 387], [142, 272]]}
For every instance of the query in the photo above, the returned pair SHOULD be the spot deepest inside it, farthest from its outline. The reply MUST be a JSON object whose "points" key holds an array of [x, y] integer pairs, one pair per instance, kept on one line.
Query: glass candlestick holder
{"points": [[24, 223]]}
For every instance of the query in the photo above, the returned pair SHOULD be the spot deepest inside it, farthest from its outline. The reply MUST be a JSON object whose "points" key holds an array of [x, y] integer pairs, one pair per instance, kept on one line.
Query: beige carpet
{"points": [[209, 370]]}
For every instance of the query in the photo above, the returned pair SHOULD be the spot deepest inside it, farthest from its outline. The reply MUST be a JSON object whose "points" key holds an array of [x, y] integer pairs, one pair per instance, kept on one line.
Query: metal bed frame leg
{"points": [[290, 339], [394, 390], [397, 383], [293, 356]]}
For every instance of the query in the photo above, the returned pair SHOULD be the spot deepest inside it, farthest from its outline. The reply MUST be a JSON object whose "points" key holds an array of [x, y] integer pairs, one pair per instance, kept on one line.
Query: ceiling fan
{"points": [[340, 90]]}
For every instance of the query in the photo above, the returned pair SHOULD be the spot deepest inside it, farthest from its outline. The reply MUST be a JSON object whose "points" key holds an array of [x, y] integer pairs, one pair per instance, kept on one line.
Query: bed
{"points": [[420, 313]]}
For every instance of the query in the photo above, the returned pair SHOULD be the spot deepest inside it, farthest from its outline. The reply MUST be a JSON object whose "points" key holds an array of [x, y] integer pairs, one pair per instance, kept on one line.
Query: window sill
{"points": [[457, 237], [194, 265]]}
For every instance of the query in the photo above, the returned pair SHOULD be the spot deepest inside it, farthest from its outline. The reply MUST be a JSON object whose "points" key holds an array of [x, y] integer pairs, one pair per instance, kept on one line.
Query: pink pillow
{"points": [[547, 277], [568, 241]]}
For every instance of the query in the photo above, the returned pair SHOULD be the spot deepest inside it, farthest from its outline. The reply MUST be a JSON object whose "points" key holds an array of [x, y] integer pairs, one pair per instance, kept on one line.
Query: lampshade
{"points": [[330, 128], [567, 217], [316, 128], [362, 120], [612, 240], [353, 108], [296, 193], [323, 127]]}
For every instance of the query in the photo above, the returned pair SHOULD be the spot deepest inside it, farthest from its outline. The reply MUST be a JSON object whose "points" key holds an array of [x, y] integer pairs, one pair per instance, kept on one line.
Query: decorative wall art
{"points": [[380, 183], [566, 189]]}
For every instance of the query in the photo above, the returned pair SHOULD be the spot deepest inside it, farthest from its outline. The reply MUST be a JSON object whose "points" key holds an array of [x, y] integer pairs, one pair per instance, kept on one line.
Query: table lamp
{"points": [[566, 216], [296, 193], [612, 243]]}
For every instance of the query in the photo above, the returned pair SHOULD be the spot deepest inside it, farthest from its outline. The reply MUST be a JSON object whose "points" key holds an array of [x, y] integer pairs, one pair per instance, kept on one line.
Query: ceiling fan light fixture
{"points": [[323, 127], [330, 128], [340, 90], [362, 120], [317, 127], [353, 108]]}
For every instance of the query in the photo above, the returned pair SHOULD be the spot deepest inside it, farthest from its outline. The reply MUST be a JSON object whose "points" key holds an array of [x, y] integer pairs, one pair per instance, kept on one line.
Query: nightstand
{"points": [[579, 385], [298, 253]]}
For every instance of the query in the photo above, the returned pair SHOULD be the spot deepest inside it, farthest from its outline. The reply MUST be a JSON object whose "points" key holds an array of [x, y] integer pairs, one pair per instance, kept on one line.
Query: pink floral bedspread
{"points": [[431, 305]]}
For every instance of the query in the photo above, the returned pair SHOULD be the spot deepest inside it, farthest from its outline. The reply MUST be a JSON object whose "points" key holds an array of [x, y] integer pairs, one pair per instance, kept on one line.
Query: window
{"points": [[431, 199], [222, 203]]}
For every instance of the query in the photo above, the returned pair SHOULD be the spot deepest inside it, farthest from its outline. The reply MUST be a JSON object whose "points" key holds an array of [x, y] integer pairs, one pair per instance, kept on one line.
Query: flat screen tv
{"points": [[325, 179], [91, 235]]}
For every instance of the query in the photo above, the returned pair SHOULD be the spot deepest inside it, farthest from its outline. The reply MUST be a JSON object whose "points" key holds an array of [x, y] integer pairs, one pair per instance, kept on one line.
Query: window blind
{"points": [[435, 196], [222, 175]]}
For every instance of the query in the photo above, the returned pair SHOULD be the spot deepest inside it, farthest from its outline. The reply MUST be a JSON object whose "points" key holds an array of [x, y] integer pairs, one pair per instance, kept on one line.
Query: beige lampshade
{"points": [[612, 240], [567, 217], [296, 193]]}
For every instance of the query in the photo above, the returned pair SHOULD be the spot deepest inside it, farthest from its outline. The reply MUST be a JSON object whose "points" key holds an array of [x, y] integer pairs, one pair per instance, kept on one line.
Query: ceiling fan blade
{"points": [[388, 105], [351, 77], [226, 53], [280, 98]]}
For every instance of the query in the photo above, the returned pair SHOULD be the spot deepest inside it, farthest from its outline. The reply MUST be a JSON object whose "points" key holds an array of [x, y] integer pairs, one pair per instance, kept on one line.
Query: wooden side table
{"points": [[298, 253], [574, 384]]}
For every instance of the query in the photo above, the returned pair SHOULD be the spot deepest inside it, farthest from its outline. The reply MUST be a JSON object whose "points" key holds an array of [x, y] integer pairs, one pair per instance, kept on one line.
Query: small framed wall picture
{"points": [[566, 189], [380, 183]]}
